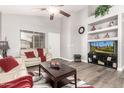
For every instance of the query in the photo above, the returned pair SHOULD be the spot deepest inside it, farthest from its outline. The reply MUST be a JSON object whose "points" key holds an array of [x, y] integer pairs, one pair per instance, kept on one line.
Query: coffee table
{"points": [[58, 75]]}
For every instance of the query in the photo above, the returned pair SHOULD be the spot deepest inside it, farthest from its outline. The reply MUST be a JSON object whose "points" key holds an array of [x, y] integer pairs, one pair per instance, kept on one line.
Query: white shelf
{"points": [[104, 39], [113, 28], [94, 21]]}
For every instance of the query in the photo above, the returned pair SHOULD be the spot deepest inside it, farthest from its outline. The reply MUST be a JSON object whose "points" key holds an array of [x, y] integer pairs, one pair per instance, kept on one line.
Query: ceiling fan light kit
{"points": [[54, 10]]}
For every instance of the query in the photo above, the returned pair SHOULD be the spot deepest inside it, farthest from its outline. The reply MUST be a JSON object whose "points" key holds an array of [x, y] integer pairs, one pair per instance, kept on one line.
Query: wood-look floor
{"points": [[99, 76]]}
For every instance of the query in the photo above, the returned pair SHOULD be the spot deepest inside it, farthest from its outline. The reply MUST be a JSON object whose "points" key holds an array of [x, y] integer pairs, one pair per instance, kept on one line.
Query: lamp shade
{"points": [[4, 45]]}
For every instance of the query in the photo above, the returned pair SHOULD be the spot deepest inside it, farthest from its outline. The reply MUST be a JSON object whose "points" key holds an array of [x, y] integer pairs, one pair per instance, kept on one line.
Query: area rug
{"points": [[41, 82]]}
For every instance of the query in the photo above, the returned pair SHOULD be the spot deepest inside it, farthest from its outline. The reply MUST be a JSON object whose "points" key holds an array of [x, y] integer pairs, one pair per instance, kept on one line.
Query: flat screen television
{"points": [[109, 47]]}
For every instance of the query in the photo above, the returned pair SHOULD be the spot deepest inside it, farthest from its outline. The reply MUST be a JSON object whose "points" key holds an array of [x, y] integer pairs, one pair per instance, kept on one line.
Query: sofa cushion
{"points": [[32, 63], [12, 75], [8, 63], [30, 54], [31, 59]]}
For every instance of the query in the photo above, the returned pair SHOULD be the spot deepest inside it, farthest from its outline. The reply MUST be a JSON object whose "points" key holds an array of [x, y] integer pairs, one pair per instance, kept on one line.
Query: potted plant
{"points": [[102, 10]]}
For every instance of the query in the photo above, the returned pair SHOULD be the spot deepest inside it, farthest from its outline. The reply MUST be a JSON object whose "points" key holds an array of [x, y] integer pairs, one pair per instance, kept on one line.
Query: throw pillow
{"points": [[40, 52], [30, 54], [43, 58], [8, 63]]}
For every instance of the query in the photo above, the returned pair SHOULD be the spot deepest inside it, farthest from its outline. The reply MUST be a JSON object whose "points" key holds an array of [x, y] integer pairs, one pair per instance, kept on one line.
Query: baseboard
{"points": [[83, 60], [72, 59], [120, 69], [66, 59]]}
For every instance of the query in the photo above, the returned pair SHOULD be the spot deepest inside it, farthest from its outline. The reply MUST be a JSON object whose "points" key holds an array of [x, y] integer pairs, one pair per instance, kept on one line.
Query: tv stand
{"points": [[103, 59]]}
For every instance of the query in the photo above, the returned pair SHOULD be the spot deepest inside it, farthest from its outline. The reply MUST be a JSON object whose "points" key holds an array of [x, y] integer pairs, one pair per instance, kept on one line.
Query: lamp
{"points": [[4, 46]]}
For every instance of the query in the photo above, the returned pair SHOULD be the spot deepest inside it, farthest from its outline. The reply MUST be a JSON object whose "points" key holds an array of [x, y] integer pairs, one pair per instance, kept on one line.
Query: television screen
{"points": [[103, 47]]}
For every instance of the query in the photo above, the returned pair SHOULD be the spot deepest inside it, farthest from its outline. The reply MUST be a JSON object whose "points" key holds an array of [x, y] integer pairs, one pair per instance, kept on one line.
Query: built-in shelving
{"points": [[113, 28], [104, 30], [112, 31]]}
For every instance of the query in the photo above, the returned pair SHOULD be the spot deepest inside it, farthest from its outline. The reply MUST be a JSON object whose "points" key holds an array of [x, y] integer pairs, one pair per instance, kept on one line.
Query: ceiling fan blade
{"points": [[64, 13], [58, 5], [43, 9], [51, 16]]}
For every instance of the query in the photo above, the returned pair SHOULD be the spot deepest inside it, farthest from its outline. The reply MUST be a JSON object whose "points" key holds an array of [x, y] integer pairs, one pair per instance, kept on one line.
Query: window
{"points": [[31, 39]]}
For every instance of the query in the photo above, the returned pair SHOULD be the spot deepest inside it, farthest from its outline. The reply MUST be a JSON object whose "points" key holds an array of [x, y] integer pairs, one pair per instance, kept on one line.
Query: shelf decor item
{"points": [[93, 28], [106, 35], [102, 10], [111, 23]]}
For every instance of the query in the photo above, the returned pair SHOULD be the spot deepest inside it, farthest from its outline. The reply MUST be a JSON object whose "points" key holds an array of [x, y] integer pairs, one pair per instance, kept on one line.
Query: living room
{"points": [[46, 46]]}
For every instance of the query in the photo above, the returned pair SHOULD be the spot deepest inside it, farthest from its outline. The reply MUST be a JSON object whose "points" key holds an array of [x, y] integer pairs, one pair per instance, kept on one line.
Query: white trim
{"points": [[120, 69], [104, 39], [83, 60], [70, 60], [113, 28]]}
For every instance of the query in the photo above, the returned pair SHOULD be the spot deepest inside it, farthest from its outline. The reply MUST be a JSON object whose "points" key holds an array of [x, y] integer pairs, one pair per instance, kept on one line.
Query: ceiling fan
{"points": [[55, 9]]}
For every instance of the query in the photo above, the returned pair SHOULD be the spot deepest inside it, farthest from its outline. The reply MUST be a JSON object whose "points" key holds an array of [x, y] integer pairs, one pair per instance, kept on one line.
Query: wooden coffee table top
{"points": [[63, 71]]}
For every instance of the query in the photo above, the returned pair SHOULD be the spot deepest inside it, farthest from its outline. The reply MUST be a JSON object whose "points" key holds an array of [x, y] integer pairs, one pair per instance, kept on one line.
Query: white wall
{"points": [[54, 44], [12, 24], [65, 37], [84, 44], [71, 42]]}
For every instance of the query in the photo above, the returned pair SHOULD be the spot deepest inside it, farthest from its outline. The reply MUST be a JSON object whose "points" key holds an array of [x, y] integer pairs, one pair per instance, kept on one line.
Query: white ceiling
{"points": [[35, 10]]}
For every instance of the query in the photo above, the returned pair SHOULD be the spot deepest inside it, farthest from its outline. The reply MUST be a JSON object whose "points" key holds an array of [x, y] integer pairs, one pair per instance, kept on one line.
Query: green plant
{"points": [[102, 10]]}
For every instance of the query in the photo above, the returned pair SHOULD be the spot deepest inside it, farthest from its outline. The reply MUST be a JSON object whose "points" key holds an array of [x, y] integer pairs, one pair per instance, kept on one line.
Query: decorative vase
{"points": [[106, 35], [93, 28]]}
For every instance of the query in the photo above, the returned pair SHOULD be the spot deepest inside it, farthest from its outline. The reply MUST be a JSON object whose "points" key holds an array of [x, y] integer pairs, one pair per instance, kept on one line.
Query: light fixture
{"points": [[53, 10]]}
